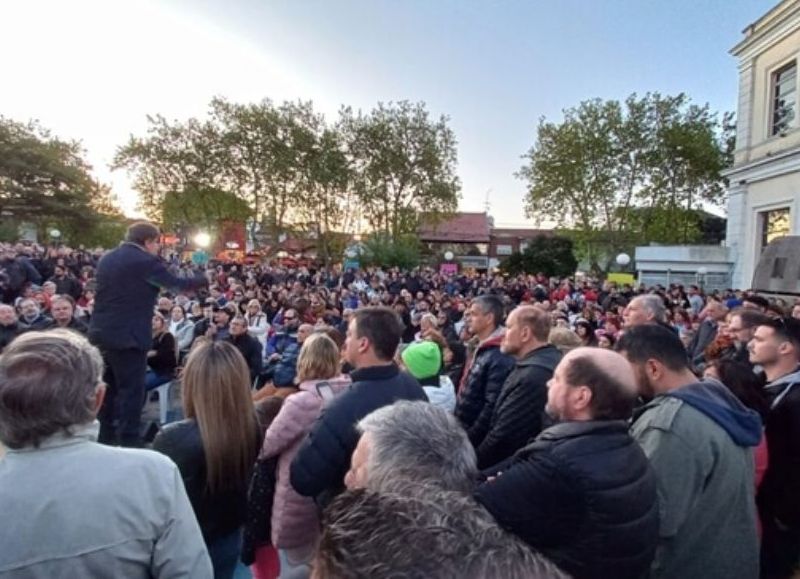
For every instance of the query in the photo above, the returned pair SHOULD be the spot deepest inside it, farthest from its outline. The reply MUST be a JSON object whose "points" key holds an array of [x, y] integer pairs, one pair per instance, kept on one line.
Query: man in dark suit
{"points": [[714, 313], [128, 281]]}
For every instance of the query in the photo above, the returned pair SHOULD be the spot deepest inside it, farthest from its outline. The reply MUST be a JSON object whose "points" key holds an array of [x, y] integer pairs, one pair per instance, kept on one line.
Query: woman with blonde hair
{"points": [[216, 446], [295, 519]]}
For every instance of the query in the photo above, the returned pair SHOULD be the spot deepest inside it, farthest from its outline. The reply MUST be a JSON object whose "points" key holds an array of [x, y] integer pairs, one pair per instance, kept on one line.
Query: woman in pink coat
{"points": [[295, 520]]}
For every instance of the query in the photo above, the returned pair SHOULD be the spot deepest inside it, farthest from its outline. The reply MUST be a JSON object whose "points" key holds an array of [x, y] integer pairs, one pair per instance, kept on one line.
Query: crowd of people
{"points": [[386, 423]]}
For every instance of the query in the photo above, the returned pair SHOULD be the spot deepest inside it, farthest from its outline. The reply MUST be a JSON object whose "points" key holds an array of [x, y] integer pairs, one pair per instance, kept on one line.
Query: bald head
{"points": [[608, 377]]}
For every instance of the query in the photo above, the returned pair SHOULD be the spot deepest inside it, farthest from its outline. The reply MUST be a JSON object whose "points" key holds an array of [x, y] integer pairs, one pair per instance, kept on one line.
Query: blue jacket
{"points": [[128, 281], [318, 469]]}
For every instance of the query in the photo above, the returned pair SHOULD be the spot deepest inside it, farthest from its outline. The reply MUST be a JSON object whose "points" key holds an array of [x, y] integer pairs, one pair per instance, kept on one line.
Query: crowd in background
{"points": [[372, 423]]}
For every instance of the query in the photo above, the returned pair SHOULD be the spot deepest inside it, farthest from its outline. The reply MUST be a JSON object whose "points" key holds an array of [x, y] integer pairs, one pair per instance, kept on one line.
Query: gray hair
{"points": [[430, 318], [421, 532], [47, 386], [420, 443], [491, 304], [655, 305]]}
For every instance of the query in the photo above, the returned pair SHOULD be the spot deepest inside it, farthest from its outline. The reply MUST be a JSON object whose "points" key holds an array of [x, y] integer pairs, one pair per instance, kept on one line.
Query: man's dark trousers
{"points": [[121, 414]]}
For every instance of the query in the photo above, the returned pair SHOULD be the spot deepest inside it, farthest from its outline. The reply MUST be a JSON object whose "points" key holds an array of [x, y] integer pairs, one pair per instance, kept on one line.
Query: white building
{"points": [[764, 189]]}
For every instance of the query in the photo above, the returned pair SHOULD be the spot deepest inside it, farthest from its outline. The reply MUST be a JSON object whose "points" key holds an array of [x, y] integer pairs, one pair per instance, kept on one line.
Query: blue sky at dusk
{"points": [[93, 69]]}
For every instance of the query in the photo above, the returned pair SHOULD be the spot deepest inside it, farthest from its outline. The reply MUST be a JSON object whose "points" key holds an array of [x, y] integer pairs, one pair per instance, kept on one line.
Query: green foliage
{"points": [[381, 250], [203, 208], [607, 160], [46, 181], [552, 256], [404, 163]]}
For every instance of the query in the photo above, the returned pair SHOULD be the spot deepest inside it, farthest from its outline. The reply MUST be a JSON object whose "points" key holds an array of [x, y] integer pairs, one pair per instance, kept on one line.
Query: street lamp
{"points": [[623, 259], [202, 240], [448, 255]]}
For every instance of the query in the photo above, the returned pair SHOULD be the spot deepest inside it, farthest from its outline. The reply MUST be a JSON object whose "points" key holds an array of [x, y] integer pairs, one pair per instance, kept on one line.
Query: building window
{"points": [[784, 97], [523, 245], [504, 250], [774, 224]]}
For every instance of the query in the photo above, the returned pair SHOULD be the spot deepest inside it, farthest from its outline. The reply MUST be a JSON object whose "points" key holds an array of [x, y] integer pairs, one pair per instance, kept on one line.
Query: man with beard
{"points": [[699, 439], [582, 493]]}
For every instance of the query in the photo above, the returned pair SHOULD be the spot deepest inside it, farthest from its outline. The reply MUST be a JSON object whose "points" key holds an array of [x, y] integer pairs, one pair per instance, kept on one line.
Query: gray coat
{"points": [[705, 474], [74, 508]]}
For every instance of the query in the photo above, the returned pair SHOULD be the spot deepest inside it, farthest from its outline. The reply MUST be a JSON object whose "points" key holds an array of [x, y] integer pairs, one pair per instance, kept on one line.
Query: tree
{"points": [[383, 251], [45, 180], [552, 256], [607, 159], [403, 163]]}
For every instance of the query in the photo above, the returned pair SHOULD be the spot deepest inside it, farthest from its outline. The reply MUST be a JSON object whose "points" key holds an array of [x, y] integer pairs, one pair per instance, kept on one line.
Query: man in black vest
{"points": [[128, 281]]}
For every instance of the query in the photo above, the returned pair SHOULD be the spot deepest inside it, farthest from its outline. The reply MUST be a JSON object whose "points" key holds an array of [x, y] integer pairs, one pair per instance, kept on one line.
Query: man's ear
{"points": [[99, 397]]}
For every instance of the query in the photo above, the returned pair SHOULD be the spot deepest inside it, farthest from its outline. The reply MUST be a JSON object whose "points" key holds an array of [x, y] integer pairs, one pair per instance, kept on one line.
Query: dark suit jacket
{"points": [[128, 281], [704, 336]]}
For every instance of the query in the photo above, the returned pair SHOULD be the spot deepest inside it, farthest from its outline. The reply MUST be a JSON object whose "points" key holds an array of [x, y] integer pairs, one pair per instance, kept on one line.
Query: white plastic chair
{"points": [[163, 401]]}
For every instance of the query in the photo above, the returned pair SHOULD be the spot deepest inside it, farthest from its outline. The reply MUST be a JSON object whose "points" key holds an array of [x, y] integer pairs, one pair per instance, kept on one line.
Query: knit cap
{"points": [[423, 359]]}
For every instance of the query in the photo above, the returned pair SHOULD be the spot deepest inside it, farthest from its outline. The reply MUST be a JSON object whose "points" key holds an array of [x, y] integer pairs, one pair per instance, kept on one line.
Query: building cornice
{"points": [[787, 161], [770, 29]]}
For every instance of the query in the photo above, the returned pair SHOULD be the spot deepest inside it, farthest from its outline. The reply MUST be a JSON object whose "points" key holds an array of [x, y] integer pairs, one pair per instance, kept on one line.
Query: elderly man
{"points": [[10, 327], [583, 492], [108, 511], [388, 453], [646, 309], [699, 439], [486, 370], [517, 416], [62, 308], [714, 313], [32, 315]]}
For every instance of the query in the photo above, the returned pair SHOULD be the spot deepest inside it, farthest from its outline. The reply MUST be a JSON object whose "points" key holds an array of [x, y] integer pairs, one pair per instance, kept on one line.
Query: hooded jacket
{"points": [[778, 496], [481, 386], [517, 416], [700, 439]]}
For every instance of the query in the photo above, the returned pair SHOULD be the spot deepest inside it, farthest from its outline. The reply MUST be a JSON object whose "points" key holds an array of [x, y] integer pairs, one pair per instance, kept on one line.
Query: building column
{"points": [[735, 236]]}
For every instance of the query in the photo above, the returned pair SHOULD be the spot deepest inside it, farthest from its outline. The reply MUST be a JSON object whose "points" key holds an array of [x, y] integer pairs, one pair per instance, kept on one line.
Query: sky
{"points": [[94, 69]]}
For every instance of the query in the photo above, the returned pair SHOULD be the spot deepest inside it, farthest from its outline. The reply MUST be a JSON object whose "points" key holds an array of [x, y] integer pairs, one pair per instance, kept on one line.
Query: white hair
{"points": [[417, 442]]}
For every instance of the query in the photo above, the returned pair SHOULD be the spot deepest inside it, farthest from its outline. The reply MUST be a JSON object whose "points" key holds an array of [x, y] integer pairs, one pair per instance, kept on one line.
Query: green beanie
{"points": [[423, 359]]}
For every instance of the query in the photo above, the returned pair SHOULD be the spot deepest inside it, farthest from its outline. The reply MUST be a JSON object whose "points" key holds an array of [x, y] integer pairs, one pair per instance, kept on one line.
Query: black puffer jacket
{"points": [[584, 495], [517, 416], [481, 387], [318, 469]]}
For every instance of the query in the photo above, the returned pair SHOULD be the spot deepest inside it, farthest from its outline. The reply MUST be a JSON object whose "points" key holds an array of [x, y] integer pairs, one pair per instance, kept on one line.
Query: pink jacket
{"points": [[295, 522]]}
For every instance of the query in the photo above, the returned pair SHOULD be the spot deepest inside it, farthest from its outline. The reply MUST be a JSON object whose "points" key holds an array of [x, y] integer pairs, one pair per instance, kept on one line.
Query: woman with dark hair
{"points": [[216, 446], [455, 358], [162, 358], [586, 333]]}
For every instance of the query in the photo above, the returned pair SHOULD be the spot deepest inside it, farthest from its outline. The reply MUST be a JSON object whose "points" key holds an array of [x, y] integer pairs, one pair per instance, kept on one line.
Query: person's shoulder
{"points": [[122, 461], [660, 413]]}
